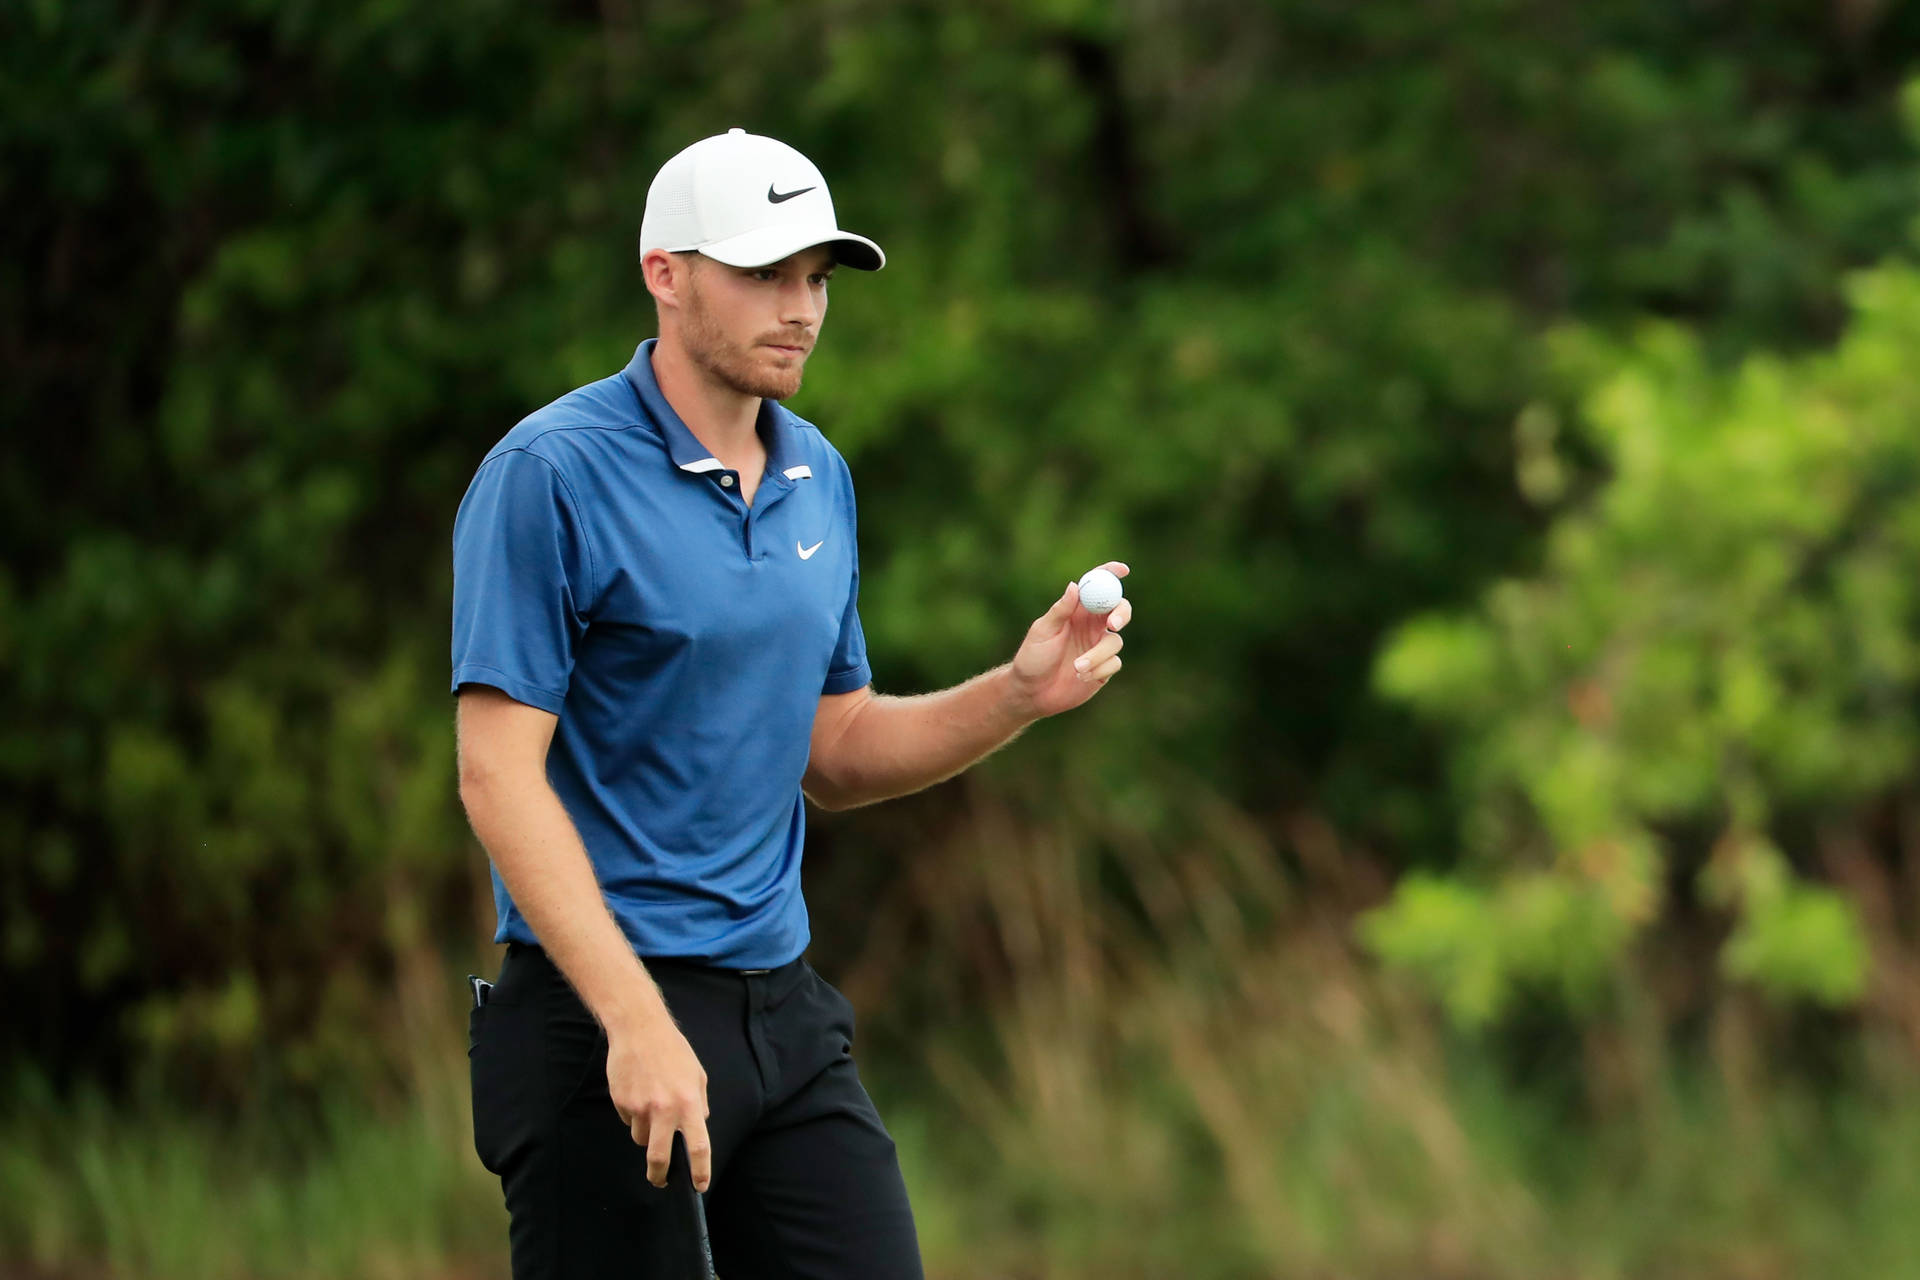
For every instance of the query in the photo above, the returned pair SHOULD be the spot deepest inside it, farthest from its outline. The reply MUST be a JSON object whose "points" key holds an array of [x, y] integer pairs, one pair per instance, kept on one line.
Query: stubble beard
{"points": [[729, 363]]}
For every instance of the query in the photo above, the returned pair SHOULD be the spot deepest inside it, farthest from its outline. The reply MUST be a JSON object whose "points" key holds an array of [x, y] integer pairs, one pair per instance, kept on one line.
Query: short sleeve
{"points": [[848, 669], [522, 581]]}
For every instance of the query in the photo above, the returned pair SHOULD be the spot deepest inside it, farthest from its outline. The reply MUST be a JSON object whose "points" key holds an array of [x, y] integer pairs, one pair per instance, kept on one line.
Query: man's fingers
{"points": [[699, 1153], [1105, 671], [659, 1148], [1089, 663], [1057, 614], [1069, 600], [1122, 614], [659, 1142], [1117, 568]]}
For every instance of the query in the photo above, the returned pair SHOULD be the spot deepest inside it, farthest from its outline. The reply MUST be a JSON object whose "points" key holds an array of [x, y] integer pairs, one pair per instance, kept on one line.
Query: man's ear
{"points": [[665, 274]]}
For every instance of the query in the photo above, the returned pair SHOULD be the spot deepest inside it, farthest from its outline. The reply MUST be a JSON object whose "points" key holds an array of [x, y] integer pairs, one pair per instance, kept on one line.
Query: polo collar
{"points": [[776, 430]]}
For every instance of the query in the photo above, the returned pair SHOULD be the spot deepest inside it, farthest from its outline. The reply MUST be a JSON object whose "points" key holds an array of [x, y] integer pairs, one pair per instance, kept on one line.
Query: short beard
{"points": [[727, 362]]}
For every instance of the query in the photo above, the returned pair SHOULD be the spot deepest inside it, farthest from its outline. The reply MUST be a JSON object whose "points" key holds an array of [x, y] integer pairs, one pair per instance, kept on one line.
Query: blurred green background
{"points": [[1501, 857]]}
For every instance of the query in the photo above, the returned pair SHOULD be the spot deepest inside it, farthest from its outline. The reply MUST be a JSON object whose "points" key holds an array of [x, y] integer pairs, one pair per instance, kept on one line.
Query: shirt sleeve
{"points": [[522, 581], [848, 669]]}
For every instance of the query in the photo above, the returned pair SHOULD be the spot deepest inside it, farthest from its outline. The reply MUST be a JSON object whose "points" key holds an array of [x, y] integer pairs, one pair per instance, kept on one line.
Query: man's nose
{"points": [[797, 305]]}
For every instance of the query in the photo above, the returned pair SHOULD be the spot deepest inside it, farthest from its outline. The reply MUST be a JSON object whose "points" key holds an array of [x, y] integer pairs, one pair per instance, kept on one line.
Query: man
{"points": [[657, 650]]}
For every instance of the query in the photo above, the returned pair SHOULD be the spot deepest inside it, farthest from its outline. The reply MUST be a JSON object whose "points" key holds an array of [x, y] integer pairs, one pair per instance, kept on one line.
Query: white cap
{"points": [[747, 201]]}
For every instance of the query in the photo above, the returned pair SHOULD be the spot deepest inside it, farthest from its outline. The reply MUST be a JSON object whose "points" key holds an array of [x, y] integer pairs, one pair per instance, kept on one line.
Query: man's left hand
{"points": [[1069, 653]]}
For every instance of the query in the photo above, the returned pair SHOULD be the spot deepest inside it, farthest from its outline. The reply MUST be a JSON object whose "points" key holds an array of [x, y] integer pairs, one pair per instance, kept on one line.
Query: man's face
{"points": [[752, 328]]}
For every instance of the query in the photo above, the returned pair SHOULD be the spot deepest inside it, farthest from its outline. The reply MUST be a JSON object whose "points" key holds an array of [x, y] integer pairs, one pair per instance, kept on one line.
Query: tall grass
{"points": [[88, 1189], [1180, 1069], [1214, 1084]]}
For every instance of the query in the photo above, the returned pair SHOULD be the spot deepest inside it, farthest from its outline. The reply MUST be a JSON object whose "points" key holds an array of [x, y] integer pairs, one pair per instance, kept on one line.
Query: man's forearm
{"points": [[533, 843], [893, 746]]}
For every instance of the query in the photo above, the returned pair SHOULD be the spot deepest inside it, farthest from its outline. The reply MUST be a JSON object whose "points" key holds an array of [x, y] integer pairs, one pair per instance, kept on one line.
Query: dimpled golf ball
{"points": [[1099, 591]]}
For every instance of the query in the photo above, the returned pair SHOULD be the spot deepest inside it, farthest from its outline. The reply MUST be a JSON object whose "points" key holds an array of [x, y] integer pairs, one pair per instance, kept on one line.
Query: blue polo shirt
{"points": [[606, 570]]}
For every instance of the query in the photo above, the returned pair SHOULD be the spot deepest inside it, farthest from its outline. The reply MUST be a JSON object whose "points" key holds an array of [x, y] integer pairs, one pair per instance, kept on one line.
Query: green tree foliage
{"points": [[1249, 296], [1724, 638]]}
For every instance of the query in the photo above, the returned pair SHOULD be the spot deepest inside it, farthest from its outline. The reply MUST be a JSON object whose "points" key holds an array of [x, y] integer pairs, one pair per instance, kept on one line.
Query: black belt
{"points": [[513, 947]]}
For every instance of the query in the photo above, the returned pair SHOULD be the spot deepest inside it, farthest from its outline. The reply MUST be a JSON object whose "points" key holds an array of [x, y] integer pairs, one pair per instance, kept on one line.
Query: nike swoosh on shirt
{"points": [[806, 553]]}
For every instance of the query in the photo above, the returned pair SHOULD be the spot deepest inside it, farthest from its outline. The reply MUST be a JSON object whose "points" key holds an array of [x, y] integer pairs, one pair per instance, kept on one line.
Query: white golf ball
{"points": [[1099, 590]]}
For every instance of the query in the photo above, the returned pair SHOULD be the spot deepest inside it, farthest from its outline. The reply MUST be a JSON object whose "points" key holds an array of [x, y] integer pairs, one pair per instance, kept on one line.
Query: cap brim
{"points": [[768, 245]]}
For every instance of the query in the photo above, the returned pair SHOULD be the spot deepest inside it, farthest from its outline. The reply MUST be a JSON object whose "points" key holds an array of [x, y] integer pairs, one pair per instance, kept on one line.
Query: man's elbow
{"points": [[475, 771], [483, 780], [475, 786], [831, 784], [823, 793]]}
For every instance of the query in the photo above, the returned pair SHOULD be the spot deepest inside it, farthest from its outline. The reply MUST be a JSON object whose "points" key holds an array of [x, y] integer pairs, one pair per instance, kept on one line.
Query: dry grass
{"points": [[1161, 1059], [1216, 1084]]}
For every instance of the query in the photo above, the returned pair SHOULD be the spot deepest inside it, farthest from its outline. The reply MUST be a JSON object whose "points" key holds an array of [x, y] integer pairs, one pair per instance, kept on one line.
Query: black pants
{"points": [[805, 1179]]}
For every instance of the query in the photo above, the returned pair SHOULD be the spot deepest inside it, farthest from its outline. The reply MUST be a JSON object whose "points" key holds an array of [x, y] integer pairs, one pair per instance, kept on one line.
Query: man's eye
{"points": [[763, 275], [821, 279]]}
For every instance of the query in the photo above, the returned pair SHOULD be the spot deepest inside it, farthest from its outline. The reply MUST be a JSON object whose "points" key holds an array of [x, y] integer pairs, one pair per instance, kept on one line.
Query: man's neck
{"points": [[720, 417]]}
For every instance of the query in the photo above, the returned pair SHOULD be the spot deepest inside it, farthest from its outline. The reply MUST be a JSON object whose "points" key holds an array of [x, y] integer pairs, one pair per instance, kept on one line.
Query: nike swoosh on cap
{"points": [[784, 195], [806, 553]]}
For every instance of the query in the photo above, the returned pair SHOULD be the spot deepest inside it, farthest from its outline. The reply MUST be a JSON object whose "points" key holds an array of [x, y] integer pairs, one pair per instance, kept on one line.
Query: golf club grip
{"points": [[680, 1182]]}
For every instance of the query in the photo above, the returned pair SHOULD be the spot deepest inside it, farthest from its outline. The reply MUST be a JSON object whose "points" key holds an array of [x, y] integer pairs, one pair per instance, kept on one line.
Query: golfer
{"points": [[657, 652]]}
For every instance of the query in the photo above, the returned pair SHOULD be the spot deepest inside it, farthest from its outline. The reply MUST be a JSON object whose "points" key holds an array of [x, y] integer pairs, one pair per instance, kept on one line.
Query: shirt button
{"points": [[726, 482]]}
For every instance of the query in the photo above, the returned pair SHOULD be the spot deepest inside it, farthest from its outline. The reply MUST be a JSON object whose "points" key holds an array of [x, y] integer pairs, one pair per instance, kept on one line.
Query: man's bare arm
{"points": [[656, 1082], [866, 747], [869, 748]]}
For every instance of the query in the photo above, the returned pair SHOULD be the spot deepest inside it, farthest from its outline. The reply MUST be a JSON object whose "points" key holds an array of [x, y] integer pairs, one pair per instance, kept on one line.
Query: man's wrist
{"points": [[639, 1011], [1016, 701]]}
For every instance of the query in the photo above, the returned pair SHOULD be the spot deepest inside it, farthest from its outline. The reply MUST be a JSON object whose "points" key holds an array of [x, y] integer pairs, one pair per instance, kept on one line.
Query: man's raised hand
{"points": [[1069, 653]]}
